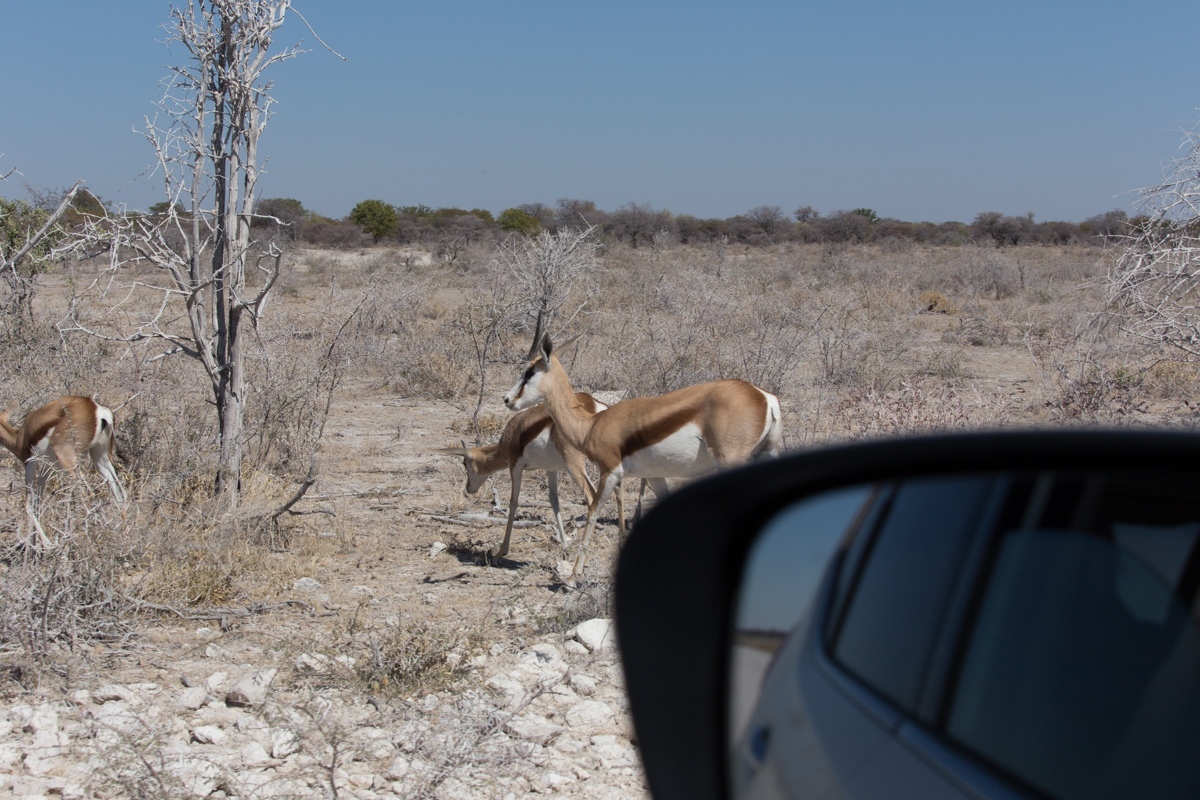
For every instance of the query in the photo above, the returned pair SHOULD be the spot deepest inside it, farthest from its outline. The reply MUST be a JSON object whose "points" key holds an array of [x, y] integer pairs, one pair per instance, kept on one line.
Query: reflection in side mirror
{"points": [[781, 578], [1019, 629]]}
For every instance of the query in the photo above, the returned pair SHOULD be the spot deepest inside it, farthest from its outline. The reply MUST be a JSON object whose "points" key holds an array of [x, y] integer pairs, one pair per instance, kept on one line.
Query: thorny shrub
{"points": [[57, 599], [918, 408], [420, 656]]}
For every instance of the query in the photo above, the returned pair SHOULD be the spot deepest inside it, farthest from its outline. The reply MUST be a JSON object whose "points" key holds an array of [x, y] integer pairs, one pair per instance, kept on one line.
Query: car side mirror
{"points": [[994, 614]]}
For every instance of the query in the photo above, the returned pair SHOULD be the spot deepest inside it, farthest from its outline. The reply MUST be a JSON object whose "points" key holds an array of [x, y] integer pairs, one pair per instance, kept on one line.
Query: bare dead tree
{"points": [[213, 112], [552, 275], [1154, 284], [482, 322]]}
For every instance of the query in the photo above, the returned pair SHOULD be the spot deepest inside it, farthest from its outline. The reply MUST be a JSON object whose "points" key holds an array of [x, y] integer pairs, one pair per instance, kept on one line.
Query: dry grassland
{"points": [[364, 365]]}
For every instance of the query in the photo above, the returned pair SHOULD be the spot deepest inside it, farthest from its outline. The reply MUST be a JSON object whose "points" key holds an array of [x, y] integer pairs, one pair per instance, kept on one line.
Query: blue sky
{"points": [[922, 110]]}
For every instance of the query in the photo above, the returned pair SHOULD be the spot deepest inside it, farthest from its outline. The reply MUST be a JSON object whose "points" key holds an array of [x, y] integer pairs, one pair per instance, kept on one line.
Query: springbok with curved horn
{"points": [[56, 436], [681, 434], [530, 441]]}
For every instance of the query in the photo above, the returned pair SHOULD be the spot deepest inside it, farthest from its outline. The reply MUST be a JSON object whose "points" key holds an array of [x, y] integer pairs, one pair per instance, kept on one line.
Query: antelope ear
{"points": [[569, 343], [453, 451]]}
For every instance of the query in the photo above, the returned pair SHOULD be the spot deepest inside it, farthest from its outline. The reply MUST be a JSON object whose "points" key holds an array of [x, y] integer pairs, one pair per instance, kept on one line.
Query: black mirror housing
{"points": [[678, 576]]}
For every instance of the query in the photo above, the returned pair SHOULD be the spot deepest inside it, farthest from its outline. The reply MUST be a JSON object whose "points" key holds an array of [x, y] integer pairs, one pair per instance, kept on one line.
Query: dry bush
{"points": [[302, 361], [977, 332], [689, 328], [562, 612], [1087, 373], [56, 601], [863, 341], [419, 657], [936, 303], [918, 408], [1171, 378]]}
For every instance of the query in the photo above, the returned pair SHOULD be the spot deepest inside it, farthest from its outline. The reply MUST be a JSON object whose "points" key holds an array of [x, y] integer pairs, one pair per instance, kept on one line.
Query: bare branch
{"points": [[1154, 285]]}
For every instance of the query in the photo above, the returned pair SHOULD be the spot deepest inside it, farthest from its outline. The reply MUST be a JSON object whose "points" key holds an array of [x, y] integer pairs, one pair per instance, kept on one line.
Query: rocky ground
{"points": [[490, 681]]}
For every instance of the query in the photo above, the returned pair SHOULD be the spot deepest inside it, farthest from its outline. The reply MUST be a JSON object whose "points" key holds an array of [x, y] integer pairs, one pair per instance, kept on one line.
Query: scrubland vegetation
{"points": [[856, 339]]}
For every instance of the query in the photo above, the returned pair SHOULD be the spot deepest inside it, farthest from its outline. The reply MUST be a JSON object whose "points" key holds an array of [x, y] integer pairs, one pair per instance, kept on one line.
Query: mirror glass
{"points": [[1034, 628], [781, 578]]}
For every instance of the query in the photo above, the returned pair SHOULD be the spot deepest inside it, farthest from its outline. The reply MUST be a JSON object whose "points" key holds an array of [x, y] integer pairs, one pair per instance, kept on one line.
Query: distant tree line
{"points": [[448, 230]]}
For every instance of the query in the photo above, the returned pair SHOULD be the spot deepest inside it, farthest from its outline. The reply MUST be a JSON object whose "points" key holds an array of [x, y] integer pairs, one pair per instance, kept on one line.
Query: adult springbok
{"points": [[530, 441], [681, 434], [56, 436]]}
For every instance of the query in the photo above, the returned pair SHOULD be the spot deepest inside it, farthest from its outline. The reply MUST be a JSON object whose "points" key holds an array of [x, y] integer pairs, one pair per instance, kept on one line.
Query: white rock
{"points": [[254, 753], [216, 681], [436, 549], [362, 780], [597, 634], [533, 729], [41, 761], [208, 734], [589, 714], [284, 743], [553, 779], [543, 662], [9, 756], [33, 719], [198, 775], [37, 786], [312, 663], [192, 699], [615, 754], [251, 690], [562, 571], [252, 726], [575, 648], [144, 691], [397, 769], [511, 690], [306, 585], [583, 684]]}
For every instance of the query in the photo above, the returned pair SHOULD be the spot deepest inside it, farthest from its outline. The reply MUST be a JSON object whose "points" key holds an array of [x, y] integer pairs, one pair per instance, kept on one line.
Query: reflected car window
{"points": [[789, 558], [1082, 674], [897, 603], [779, 583]]}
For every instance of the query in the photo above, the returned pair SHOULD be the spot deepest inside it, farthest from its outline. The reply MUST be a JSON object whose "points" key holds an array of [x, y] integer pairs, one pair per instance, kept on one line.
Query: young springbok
{"points": [[530, 441], [681, 434], [56, 436]]}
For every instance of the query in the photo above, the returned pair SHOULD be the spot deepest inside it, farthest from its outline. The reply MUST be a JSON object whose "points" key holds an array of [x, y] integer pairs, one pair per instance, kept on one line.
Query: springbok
{"points": [[56, 436], [530, 441], [681, 434]]}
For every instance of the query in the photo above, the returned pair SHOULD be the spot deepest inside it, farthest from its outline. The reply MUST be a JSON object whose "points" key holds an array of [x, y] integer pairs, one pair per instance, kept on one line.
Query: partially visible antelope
{"points": [[56, 436], [681, 434], [530, 441]]}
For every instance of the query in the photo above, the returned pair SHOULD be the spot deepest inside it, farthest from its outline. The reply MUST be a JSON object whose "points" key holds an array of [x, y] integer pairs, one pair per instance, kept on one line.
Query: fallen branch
{"points": [[220, 613]]}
